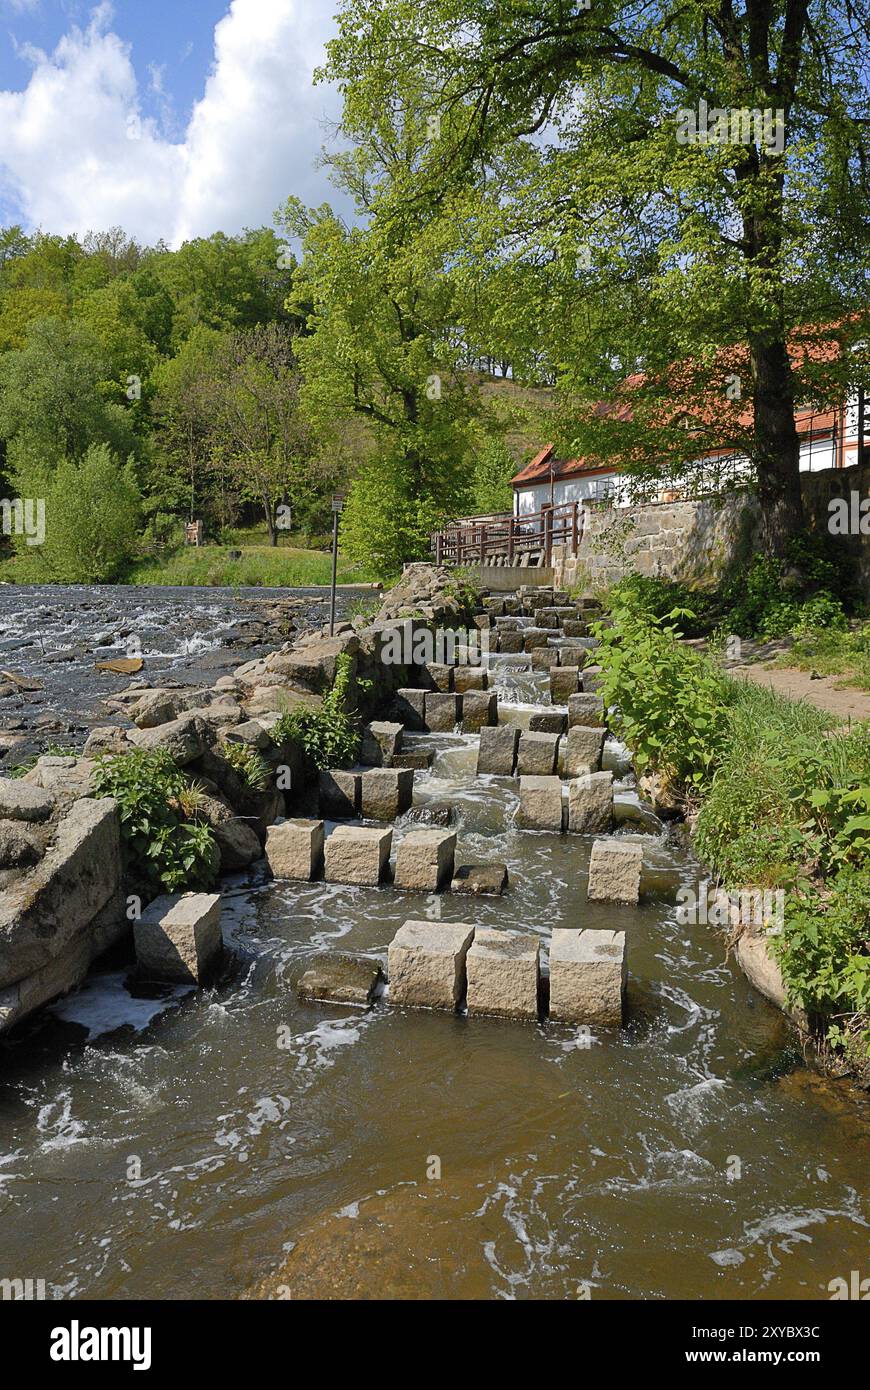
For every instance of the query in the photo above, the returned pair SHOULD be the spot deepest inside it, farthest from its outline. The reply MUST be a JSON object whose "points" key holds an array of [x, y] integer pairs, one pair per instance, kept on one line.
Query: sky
{"points": [[170, 118]]}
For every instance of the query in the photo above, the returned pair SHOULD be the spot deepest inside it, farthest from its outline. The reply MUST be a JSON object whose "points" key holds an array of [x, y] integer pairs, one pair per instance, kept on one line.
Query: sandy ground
{"points": [[847, 703]]}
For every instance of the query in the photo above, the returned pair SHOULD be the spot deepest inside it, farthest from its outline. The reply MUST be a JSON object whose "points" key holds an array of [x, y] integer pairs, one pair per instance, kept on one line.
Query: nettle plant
{"points": [[330, 735], [166, 846]]}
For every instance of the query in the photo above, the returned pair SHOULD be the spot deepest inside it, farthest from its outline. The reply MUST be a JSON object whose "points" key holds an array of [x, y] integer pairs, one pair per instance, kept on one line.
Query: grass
{"points": [[269, 566], [832, 653], [210, 565], [781, 795]]}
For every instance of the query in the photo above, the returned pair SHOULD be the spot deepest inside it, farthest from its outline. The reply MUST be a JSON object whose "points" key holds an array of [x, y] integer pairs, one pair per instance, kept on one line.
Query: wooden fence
{"points": [[481, 540]]}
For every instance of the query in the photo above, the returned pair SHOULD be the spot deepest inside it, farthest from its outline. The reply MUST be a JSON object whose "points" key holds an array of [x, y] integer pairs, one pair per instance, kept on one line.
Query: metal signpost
{"points": [[337, 504]]}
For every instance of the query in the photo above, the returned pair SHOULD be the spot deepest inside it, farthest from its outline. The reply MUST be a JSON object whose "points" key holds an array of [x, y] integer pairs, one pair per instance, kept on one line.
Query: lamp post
{"points": [[337, 504]]}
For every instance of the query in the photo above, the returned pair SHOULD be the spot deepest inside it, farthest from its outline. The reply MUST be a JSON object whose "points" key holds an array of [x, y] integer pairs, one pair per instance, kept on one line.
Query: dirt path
{"points": [[820, 691]]}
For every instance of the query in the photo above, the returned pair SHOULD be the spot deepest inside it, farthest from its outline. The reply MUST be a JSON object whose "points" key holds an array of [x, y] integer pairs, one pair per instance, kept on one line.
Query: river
{"points": [[180, 1144]]}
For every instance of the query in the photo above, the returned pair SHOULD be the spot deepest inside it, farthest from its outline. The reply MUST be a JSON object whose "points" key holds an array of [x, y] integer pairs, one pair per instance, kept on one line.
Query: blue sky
{"points": [[172, 118]]}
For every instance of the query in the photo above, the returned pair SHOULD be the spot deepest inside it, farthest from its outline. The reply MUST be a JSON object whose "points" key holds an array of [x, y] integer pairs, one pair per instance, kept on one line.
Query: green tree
{"points": [[91, 519], [734, 239], [494, 468]]}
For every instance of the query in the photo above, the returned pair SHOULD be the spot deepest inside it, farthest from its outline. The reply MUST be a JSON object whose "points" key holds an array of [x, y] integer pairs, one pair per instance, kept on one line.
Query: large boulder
{"points": [[43, 912], [186, 738], [20, 800]]}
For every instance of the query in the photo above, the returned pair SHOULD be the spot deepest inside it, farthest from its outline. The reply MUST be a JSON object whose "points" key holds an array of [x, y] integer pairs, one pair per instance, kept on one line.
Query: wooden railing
{"points": [[480, 540]]}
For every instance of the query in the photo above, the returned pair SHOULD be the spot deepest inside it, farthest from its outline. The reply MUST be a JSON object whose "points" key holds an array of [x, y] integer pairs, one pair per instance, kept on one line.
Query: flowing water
{"points": [[176, 1144]]}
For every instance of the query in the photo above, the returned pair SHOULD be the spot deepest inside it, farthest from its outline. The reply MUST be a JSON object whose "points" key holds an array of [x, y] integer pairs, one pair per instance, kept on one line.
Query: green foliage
{"points": [[248, 764], [330, 735], [493, 469], [164, 850], [671, 701], [384, 525], [830, 651], [91, 519], [824, 950]]}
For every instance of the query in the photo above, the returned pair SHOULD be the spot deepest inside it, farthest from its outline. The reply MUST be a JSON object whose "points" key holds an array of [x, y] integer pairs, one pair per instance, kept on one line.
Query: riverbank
{"points": [[217, 566], [778, 796]]}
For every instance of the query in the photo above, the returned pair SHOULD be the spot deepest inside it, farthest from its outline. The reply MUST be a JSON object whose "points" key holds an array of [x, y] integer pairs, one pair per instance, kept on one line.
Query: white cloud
{"points": [[78, 152]]}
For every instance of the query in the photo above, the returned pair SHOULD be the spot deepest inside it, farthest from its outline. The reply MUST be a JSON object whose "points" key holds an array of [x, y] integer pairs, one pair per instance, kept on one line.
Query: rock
{"points": [[185, 738], [106, 741], [479, 710], [313, 664], [427, 964], [339, 793], [668, 801], [66, 779], [435, 675], [588, 975], [572, 655], [627, 810], [583, 749], [178, 937], [409, 706], [590, 803], [574, 627], [424, 860], [510, 642], [22, 801], [470, 678], [223, 715], [336, 979], [157, 707], [442, 712], [259, 809], [250, 732], [79, 874], [592, 679], [503, 970], [420, 759], [69, 967], [278, 699], [548, 619], [480, 878], [431, 813], [540, 803], [497, 752], [294, 849], [544, 658], [19, 847], [237, 841], [357, 854], [380, 744], [614, 872], [564, 683], [763, 971], [548, 721], [385, 792], [537, 754], [586, 710]]}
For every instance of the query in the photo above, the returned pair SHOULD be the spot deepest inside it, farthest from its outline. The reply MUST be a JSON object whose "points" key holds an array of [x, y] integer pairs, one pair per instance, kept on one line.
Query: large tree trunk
{"points": [[777, 445]]}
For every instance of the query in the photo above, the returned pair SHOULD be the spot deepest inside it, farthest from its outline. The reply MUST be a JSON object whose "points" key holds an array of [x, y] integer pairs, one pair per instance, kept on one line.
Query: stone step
{"points": [[588, 976], [614, 872], [178, 937]]}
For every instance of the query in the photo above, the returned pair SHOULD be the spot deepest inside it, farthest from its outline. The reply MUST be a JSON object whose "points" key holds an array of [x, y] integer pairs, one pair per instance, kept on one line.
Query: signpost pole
{"points": [[337, 504]]}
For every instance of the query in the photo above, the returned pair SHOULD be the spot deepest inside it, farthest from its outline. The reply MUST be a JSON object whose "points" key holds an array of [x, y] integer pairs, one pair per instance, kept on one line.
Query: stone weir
{"points": [[64, 898]]}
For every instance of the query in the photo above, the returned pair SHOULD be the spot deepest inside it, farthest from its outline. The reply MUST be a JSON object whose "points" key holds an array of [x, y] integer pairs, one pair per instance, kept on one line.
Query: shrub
{"points": [[249, 766], [670, 700], [163, 849], [330, 735], [91, 519]]}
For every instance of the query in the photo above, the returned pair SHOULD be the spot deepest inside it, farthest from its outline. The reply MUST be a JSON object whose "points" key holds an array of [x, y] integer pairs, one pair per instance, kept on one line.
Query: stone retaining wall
{"points": [[695, 540]]}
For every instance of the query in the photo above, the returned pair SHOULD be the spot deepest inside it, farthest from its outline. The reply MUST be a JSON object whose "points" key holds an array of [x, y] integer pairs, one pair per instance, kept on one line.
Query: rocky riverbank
{"points": [[62, 885]]}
